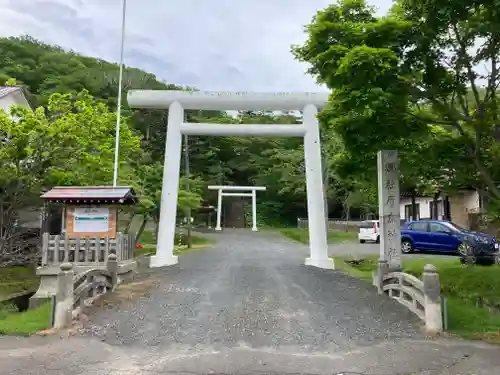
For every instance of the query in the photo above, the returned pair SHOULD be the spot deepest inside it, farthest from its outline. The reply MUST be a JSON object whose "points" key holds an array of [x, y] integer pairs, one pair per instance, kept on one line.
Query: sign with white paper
{"points": [[91, 220]]}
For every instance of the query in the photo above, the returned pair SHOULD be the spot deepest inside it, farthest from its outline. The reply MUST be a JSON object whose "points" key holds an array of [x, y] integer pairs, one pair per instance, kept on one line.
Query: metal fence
{"points": [[334, 224]]}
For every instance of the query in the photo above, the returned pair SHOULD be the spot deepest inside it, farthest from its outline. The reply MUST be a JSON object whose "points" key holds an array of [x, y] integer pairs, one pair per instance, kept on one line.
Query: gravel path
{"points": [[251, 289], [246, 306]]}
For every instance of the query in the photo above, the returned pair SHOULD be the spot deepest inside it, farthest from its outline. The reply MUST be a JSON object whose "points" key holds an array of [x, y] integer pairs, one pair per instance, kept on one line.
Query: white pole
{"points": [[119, 101], [169, 190], [315, 198], [254, 211], [219, 209]]}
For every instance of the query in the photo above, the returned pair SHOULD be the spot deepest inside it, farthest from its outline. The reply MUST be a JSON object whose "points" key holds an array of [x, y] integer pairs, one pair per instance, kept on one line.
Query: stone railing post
{"points": [[112, 266], [383, 268], [432, 296], [64, 297]]}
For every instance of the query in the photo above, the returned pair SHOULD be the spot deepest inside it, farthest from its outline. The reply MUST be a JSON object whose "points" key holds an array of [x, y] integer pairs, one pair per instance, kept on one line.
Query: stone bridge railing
{"points": [[422, 297], [75, 292], [84, 253], [58, 249]]}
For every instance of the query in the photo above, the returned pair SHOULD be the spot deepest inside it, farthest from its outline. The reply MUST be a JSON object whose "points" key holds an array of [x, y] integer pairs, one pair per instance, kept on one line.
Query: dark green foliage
{"points": [[277, 163]]}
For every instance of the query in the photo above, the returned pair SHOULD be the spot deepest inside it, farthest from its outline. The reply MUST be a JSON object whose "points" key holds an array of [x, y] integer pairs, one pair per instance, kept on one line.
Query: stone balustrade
{"points": [[422, 297], [75, 292]]}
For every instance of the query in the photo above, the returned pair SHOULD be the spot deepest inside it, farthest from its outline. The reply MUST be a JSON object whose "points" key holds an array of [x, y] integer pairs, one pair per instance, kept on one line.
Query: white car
{"points": [[369, 230]]}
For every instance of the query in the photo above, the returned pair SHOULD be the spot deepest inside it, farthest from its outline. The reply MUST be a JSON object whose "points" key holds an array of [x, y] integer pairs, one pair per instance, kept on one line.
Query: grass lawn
{"points": [[17, 279], [148, 241], [302, 235], [25, 323], [463, 288], [14, 280]]}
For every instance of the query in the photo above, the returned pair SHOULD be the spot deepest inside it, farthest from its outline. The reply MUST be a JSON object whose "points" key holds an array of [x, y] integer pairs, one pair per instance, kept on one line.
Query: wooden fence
{"points": [[58, 249], [422, 297], [76, 292]]}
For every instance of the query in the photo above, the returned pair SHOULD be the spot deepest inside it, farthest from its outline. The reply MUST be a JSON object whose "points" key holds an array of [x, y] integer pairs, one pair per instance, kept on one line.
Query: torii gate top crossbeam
{"points": [[237, 188], [220, 100]]}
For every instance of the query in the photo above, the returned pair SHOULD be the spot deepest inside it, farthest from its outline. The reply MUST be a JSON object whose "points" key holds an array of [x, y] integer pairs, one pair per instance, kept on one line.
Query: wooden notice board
{"points": [[91, 221]]}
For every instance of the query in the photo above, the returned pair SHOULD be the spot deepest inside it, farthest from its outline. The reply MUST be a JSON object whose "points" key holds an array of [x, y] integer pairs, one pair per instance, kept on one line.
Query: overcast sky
{"points": [[241, 45]]}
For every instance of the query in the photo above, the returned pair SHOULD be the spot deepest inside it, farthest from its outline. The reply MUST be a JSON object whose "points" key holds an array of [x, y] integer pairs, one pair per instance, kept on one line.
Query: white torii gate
{"points": [[177, 101], [240, 192]]}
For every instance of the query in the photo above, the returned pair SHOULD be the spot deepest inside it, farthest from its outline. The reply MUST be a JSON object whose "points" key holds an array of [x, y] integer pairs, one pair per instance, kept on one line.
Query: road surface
{"points": [[247, 306]]}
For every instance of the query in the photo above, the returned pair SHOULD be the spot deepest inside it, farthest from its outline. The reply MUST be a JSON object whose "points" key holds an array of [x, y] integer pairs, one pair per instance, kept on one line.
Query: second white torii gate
{"points": [[239, 191]]}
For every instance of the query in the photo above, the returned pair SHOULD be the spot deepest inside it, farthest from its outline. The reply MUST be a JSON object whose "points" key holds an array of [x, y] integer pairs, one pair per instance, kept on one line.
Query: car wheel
{"points": [[406, 246], [362, 241], [377, 240], [466, 254]]}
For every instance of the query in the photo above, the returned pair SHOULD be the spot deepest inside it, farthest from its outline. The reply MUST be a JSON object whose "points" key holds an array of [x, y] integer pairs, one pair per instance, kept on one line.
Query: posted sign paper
{"points": [[91, 220]]}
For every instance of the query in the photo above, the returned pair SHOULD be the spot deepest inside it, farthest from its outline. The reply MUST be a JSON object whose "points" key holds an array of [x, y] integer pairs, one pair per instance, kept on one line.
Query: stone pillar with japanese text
{"points": [[388, 207]]}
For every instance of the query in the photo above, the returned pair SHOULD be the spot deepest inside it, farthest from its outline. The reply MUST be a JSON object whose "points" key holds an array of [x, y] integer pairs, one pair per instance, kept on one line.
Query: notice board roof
{"points": [[91, 194]]}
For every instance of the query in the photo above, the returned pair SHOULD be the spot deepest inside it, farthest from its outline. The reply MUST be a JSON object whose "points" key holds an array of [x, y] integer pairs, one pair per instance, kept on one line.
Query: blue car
{"points": [[445, 236]]}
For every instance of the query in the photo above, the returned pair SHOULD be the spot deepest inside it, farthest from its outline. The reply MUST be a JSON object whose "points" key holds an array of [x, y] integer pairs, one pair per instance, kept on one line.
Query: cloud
{"points": [[241, 45]]}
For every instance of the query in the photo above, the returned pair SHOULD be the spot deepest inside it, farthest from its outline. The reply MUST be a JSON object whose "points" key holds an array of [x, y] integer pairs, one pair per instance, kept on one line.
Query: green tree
{"points": [[411, 81], [47, 69], [277, 163], [148, 182], [71, 142]]}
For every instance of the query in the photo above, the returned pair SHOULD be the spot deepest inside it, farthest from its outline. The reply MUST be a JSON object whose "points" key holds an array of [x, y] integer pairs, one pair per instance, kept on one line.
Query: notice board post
{"points": [[89, 233], [90, 219]]}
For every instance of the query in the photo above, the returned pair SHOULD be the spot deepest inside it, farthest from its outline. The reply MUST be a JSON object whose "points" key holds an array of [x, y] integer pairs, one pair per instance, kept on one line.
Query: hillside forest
{"points": [[422, 79]]}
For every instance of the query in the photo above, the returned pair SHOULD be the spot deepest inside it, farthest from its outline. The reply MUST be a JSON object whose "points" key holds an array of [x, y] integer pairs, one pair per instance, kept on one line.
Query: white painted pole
{"points": [[119, 100], [219, 209], [315, 197], [170, 189], [254, 211]]}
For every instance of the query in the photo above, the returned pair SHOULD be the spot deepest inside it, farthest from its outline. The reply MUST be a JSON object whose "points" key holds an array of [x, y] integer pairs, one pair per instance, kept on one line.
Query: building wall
{"points": [[422, 201], [471, 201], [7, 101], [458, 211], [461, 205], [14, 98]]}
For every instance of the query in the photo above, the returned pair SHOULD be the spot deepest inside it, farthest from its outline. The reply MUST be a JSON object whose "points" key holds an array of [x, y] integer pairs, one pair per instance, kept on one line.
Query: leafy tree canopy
{"points": [[414, 80]]}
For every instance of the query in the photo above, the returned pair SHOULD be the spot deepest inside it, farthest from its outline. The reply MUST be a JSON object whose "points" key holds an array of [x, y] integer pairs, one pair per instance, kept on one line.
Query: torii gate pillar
{"points": [[177, 101]]}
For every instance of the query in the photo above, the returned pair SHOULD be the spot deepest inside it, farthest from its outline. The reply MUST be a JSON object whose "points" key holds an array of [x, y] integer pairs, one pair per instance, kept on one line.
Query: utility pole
{"points": [[119, 99], [188, 209]]}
